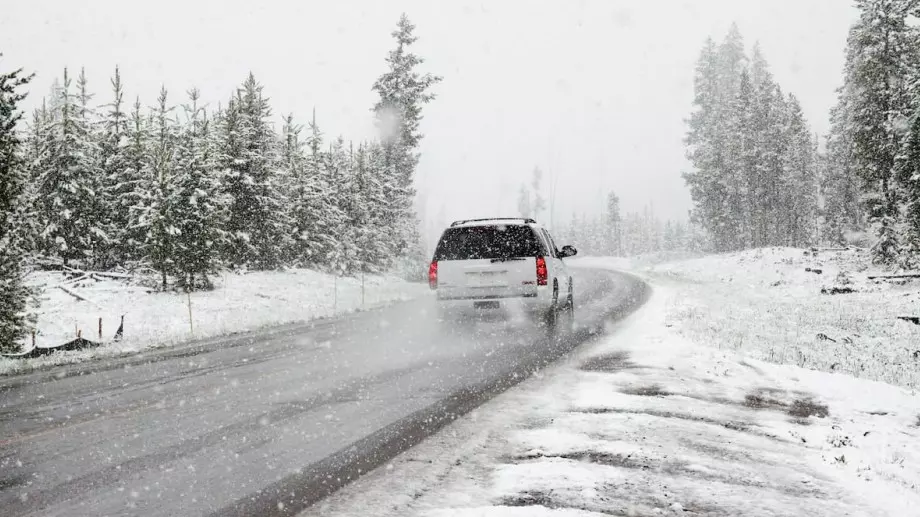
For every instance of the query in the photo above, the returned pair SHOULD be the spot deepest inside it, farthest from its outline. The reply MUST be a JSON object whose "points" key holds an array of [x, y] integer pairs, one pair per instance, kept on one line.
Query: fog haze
{"points": [[594, 93]]}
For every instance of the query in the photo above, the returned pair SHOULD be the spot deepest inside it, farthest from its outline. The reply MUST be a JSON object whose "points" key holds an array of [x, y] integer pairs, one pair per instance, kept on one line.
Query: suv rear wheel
{"points": [[560, 317]]}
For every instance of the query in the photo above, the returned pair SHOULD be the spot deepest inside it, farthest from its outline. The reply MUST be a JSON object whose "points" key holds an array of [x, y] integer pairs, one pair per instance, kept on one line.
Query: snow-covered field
{"points": [[667, 417], [239, 302], [767, 305]]}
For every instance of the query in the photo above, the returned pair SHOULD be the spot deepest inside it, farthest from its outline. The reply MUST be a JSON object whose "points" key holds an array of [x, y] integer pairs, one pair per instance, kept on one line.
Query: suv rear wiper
{"points": [[506, 259]]}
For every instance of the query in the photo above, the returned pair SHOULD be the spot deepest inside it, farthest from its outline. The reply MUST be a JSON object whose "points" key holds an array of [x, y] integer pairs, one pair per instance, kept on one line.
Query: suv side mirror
{"points": [[568, 251]]}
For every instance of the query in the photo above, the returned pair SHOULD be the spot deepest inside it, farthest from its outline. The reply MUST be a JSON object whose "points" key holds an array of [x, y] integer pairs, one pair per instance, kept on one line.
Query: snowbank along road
{"points": [[266, 423]]}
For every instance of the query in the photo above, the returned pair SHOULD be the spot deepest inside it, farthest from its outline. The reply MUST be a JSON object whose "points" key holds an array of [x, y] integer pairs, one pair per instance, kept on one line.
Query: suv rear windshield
{"points": [[488, 242]]}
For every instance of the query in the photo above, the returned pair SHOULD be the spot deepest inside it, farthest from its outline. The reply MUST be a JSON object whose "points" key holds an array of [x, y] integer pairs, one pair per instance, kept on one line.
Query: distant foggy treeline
{"points": [[92, 180], [612, 233], [630, 234], [761, 178]]}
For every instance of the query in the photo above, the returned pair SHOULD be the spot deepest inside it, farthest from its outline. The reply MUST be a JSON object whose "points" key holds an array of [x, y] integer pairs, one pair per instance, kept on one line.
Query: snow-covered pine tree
{"points": [[840, 184], [705, 150], [132, 187], [119, 178], [229, 157], [14, 294], [740, 143], [157, 216], [524, 207], [667, 239], [779, 138], [315, 215], [764, 159], [734, 94], [909, 178], [99, 239], [881, 51], [200, 206], [291, 159], [257, 221], [403, 91], [367, 205], [614, 225], [337, 170], [37, 147], [69, 182], [538, 206], [739, 183], [801, 175]]}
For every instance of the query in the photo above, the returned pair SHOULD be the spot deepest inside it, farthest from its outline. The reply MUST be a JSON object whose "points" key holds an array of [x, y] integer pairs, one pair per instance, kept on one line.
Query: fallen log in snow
{"points": [[79, 296], [894, 277]]}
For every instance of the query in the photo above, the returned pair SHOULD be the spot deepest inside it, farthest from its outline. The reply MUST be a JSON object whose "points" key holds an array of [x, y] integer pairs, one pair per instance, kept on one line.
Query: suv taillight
{"points": [[433, 274], [542, 272]]}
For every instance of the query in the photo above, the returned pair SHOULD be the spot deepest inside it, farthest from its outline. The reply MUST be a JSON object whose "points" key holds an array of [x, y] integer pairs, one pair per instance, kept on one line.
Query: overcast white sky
{"points": [[592, 91]]}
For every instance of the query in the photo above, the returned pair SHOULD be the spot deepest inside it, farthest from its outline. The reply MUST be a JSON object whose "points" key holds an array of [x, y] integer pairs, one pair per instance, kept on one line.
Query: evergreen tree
{"points": [[840, 182], [524, 208], [229, 157], [370, 242], [705, 149], [14, 294], [257, 219], [754, 176], [97, 202], [739, 177], [301, 210], [318, 216], [765, 158], [614, 224], [403, 91], [800, 167], [158, 214], [539, 203], [119, 179], [37, 154], [199, 204], [130, 187], [881, 53], [69, 183], [910, 179], [343, 257]]}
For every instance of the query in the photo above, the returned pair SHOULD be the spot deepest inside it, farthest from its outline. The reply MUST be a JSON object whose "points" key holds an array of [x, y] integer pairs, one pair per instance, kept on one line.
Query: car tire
{"points": [[560, 318], [567, 323], [551, 317]]}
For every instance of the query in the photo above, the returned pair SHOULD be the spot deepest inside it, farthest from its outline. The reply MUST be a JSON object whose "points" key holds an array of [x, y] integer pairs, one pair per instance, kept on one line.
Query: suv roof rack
{"points": [[526, 220]]}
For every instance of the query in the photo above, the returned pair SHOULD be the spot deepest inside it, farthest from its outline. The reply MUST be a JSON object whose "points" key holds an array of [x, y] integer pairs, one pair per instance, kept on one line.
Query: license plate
{"points": [[485, 280]]}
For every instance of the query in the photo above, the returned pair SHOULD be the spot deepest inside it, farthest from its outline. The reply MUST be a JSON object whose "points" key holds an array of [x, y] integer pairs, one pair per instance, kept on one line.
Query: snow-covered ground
{"points": [[664, 417], [239, 302], [768, 305]]}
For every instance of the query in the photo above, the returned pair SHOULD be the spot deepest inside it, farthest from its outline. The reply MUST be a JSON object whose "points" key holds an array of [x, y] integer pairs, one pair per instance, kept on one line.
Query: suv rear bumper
{"points": [[533, 300], [449, 292], [488, 297]]}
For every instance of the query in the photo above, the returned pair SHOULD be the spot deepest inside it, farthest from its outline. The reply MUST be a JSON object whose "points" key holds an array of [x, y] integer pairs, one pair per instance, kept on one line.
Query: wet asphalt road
{"points": [[265, 423]]}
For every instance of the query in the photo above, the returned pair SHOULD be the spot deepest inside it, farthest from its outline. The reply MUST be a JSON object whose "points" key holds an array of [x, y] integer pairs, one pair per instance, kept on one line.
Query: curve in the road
{"points": [[266, 423], [298, 491]]}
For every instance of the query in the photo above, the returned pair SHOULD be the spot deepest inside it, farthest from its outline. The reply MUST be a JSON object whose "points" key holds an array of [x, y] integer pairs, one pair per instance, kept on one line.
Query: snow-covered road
{"points": [[646, 422], [264, 423]]}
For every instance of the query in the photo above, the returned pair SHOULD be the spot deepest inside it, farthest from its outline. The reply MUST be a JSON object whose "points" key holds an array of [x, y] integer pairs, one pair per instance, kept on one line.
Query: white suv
{"points": [[501, 263]]}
